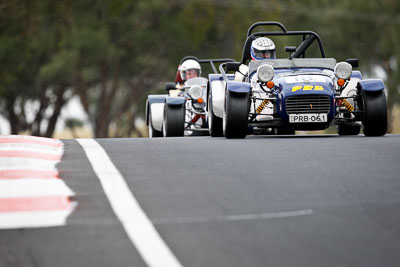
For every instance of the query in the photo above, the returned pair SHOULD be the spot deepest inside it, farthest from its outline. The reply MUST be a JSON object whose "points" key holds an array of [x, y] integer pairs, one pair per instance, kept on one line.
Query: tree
{"points": [[28, 40], [112, 54]]}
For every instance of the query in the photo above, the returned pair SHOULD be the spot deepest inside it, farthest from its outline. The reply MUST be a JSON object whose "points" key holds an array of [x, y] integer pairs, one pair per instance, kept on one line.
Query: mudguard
{"points": [[371, 85], [217, 92], [238, 87], [156, 98], [214, 77], [356, 74], [152, 99], [175, 100]]}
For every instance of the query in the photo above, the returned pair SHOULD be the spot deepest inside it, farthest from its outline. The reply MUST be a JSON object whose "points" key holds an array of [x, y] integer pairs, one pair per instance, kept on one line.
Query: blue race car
{"points": [[295, 93]]}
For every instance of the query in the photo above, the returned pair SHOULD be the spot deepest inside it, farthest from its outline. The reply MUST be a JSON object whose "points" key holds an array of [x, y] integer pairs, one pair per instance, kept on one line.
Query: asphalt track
{"points": [[309, 200]]}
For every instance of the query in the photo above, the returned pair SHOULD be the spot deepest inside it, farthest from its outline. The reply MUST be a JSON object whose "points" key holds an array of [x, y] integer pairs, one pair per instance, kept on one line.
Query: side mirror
{"points": [[170, 86], [232, 66], [353, 62], [290, 49]]}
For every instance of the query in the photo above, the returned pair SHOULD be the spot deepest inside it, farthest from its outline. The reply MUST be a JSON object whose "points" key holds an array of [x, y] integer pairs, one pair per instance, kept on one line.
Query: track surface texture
{"points": [[316, 200]]}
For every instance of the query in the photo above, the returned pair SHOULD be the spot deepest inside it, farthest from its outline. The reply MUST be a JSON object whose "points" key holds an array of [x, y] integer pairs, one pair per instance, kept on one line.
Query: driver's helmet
{"points": [[189, 69], [262, 48]]}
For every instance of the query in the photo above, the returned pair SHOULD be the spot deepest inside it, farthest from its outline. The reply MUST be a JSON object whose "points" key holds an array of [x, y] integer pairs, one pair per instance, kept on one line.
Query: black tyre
{"points": [[345, 129], [174, 120], [152, 131], [375, 113], [214, 122], [236, 112]]}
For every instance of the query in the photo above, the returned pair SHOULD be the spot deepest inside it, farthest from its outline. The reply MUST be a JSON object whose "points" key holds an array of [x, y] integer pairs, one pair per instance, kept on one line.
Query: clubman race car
{"points": [[182, 113], [294, 93]]}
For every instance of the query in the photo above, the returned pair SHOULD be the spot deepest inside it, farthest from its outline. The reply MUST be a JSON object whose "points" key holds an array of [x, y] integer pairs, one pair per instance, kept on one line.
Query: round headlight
{"points": [[343, 70], [196, 92], [265, 73]]}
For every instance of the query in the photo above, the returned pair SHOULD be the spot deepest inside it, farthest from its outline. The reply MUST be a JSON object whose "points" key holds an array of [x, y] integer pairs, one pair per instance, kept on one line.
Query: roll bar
{"points": [[308, 38], [266, 23]]}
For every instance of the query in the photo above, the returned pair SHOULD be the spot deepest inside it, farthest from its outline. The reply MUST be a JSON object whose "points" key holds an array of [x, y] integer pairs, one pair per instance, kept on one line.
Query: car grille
{"points": [[308, 104]]}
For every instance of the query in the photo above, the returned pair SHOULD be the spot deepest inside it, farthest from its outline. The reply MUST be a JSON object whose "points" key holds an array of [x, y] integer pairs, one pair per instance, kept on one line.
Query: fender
{"points": [[151, 99], [371, 85], [238, 87], [213, 77], [175, 100], [356, 74], [217, 92], [217, 95], [156, 98], [157, 115]]}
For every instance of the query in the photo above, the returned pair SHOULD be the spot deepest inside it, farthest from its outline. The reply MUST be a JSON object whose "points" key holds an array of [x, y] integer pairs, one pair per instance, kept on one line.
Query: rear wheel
{"points": [[174, 120], [152, 131], [214, 122], [236, 111], [375, 113]]}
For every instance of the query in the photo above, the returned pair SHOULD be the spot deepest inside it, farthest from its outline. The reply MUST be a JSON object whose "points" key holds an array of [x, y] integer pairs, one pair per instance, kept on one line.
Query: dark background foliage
{"points": [[112, 54]]}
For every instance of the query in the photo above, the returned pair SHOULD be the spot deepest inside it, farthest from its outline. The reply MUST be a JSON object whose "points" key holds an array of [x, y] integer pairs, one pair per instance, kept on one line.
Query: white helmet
{"points": [[189, 64], [262, 48]]}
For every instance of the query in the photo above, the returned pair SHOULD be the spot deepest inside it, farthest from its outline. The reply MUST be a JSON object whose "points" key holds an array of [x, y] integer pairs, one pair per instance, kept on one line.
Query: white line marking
{"points": [[10, 188], [234, 218], [137, 225]]}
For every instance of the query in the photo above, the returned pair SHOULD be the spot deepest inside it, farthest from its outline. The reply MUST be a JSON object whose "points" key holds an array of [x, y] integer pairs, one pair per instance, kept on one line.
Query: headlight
{"points": [[196, 92], [265, 73], [343, 70]]}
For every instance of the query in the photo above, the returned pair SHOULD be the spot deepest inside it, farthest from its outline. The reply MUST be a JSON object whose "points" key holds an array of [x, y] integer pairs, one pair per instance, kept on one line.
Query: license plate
{"points": [[308, 118]]}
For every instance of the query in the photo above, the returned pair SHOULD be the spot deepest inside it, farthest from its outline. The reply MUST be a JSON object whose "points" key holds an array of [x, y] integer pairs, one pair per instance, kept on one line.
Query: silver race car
{"points": [[182, 112]]}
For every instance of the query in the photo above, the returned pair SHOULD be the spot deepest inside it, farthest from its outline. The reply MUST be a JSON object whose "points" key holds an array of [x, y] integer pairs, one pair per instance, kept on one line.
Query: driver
{"points": [[188, 69], [261, 48]]}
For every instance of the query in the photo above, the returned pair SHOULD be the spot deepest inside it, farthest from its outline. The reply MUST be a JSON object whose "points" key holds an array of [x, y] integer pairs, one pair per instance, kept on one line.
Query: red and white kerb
{"points": [[31, 191]]}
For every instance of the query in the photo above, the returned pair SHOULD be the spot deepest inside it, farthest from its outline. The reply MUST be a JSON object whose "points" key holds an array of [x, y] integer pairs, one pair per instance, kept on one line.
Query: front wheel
{"points": [[375, 113], [214, 122], [236, 112], [174, 120], [152, 131]]}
